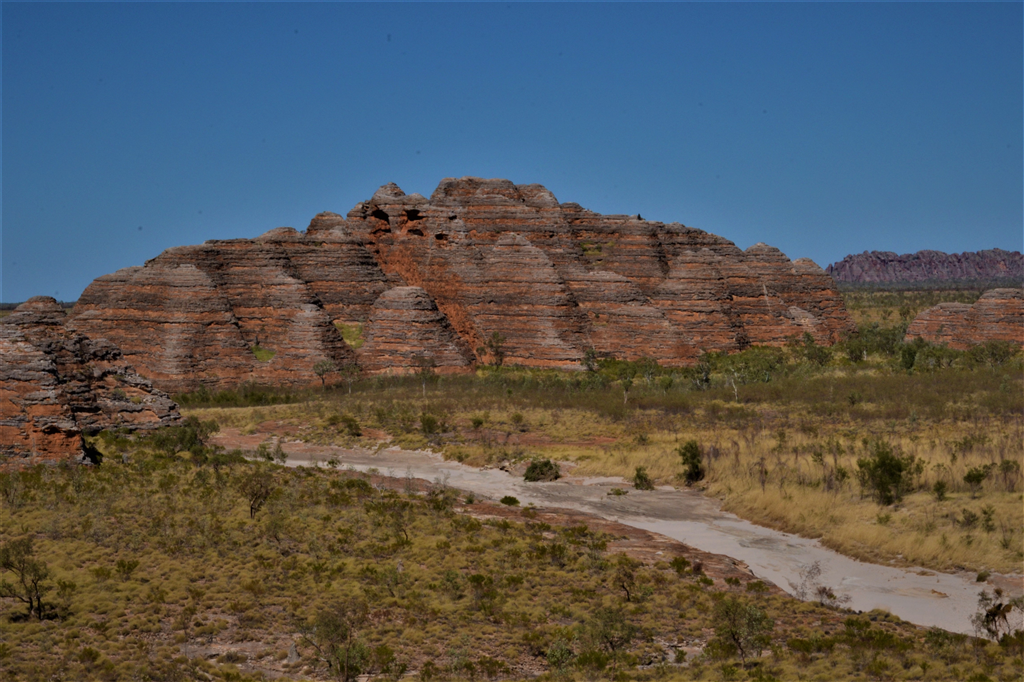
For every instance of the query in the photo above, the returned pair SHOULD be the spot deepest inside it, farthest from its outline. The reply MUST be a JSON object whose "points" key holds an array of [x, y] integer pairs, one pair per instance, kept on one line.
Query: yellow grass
{"points": [[920, 530]]}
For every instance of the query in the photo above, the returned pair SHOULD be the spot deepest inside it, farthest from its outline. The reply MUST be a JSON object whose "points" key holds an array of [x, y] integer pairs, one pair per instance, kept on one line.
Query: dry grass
{"points": [[868, 306], [781, 424], [218, 595]]}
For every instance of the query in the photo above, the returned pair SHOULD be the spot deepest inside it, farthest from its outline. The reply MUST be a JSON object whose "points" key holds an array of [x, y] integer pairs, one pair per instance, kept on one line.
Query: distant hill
{"points": [[992, 266]]}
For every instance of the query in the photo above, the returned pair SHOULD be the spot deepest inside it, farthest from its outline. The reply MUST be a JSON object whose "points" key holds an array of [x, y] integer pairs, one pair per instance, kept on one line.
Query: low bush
{"points": [[542, 470], [693, 466], [886, 474], [642, 480]]}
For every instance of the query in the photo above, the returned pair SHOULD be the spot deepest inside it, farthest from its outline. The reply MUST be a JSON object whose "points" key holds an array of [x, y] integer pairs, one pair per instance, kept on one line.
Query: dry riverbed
{"points": [[923, 597]]}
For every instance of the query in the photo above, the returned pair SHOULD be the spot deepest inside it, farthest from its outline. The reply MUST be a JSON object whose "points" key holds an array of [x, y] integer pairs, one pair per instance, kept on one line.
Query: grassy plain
{"points": [[199, 566]]}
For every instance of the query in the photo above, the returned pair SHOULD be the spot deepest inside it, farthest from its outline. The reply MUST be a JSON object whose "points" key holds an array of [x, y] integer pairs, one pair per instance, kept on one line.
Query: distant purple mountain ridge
{"points": [[884, 267]]}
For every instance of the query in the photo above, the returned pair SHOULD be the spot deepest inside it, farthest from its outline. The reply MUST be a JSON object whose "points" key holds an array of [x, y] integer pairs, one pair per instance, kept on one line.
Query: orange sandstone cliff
{"points": [[56, 384], [997, 316], [430, 280]]}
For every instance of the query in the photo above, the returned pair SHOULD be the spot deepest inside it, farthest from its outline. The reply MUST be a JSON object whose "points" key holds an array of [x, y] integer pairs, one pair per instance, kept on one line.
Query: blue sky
{"points": [[823, 129]]}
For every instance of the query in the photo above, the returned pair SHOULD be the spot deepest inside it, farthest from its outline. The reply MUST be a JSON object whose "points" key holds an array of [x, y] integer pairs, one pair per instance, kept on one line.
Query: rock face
{"points": [[194, 315], [929, 266], [406, 332], [997, 316], [56, 384], [437, 277]]}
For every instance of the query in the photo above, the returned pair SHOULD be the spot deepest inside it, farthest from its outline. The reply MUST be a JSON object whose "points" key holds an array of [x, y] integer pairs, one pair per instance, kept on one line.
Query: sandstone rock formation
{"points": [[56, 384], [194, 315], [997, 316], [437, 277], [929, 266], [406, 332]]}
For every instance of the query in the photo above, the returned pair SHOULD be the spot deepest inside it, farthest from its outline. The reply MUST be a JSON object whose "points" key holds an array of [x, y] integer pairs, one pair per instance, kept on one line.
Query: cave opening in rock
{"points": [[418, 233], [441, 237], [381, 215], [413, 214]]}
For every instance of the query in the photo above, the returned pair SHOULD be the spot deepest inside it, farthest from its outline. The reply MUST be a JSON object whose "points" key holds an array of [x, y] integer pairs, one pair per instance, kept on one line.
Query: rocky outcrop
{"points": [[56, 384], [929, 266], [229, 312], [407, 333], [555, 279], [997, 316], [437, 277]]}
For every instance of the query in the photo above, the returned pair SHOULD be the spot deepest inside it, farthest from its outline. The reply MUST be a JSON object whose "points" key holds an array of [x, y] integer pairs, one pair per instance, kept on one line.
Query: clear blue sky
{"points": [[823, 129]]}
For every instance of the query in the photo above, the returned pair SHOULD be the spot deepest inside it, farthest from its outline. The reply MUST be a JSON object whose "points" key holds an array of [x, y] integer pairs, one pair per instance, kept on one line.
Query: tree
{"points": [[689, 452], [887, 474], [257, 486], [349, 373], [702, 372], [609, 629], [812, 352], [740, 628], [626, 374], [426, 366], [1010, 470], [322, 369], [996, 615], [334, 635], [625, 578], [31, 576], [494, 346], [975, 476], [590, 360]]}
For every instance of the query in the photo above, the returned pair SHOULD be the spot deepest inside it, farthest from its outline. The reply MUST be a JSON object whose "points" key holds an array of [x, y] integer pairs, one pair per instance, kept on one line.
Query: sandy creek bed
{"points": [[923, 597]]}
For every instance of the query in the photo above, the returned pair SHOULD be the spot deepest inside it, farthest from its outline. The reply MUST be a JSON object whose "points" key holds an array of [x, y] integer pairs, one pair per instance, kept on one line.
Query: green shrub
{"points": [[642, 480], [351, 425], [352, 334], [886, 474], [813, 353], [246, 395], [190, 436], [975, 476], [689, 452], [510, 501], [679, 565], [741, 629], [542, 470], [428, 424]]}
